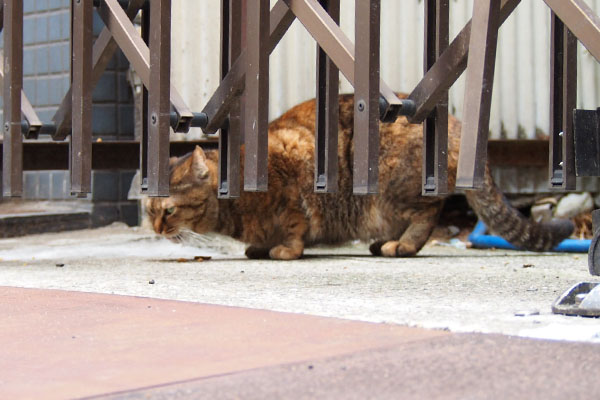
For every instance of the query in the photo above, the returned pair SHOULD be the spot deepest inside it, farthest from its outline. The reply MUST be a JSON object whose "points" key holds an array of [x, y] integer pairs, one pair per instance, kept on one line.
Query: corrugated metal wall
{"points": [[521, 88]]}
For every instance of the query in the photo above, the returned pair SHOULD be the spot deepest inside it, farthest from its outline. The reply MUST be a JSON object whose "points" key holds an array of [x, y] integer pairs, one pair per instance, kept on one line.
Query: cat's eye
{"points": [[170, 210]]}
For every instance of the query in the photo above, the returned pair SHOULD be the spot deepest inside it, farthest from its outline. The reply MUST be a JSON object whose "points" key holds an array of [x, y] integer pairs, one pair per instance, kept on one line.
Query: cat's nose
{"points": [[158, 228]]}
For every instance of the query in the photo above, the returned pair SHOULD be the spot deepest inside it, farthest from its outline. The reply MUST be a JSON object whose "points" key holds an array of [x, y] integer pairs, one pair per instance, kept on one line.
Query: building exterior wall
{"points": [[520, 105], [521, 88], [46, 79], [47, 66]]}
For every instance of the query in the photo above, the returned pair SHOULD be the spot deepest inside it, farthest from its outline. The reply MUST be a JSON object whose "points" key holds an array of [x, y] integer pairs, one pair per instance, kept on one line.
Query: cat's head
{"points": [[192, 204]]}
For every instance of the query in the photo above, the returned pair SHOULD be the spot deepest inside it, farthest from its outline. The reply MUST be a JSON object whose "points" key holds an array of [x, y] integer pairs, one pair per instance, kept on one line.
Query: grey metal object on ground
{"points": [[583, 299]]}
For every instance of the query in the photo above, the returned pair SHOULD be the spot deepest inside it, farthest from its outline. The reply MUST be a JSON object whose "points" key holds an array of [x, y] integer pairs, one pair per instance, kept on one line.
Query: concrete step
{"points": [[42, 222]]}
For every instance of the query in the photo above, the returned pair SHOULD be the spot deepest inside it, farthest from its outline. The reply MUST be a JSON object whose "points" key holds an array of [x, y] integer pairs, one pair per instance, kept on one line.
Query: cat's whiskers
{"points": [[175, 238], [193, 238]]}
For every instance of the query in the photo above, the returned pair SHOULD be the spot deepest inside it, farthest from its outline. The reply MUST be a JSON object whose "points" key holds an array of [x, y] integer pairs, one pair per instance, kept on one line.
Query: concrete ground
{"points": [[464, 290], [444, 291]]}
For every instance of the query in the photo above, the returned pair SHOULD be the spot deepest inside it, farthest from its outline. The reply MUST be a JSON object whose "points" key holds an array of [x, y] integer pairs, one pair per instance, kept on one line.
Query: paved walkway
{"points": [[66, 345], [117, 312]]}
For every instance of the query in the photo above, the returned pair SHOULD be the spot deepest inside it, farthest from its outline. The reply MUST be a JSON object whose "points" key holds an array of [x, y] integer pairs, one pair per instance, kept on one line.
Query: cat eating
{"points": [[280, 223]]}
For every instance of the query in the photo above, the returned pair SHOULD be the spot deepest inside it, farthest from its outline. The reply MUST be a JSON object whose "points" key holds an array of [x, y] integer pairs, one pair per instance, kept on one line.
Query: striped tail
{"points": [[493, 209]]}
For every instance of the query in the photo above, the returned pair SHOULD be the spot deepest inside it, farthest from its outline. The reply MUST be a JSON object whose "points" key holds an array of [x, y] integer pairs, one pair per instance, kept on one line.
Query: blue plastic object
{"points": [[480, 240]]}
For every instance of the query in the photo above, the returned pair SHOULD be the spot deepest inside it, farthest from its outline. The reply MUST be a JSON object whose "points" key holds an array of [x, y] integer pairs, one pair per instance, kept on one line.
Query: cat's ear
{"points": [[199, 167]]}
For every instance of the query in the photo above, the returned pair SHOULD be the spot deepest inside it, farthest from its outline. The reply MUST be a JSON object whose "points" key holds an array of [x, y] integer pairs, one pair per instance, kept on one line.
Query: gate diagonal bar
{"points": [[103, 50], [12, 160], [581, 21], [137, 52], [340, 49], [449, 67], [435, 127], [232, 85], [327, 34], [33, 124], [31, 118]]}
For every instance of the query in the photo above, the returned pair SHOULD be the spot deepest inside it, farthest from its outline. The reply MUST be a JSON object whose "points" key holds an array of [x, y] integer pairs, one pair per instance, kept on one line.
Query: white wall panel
{"points": [[521, 87]]}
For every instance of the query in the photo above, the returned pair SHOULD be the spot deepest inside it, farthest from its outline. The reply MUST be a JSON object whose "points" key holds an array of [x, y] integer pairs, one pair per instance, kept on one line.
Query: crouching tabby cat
{"points": [[280, 223]]}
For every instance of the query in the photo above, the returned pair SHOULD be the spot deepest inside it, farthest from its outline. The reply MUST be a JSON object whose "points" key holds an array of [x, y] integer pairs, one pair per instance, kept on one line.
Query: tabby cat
{"points": [[280, 223]]}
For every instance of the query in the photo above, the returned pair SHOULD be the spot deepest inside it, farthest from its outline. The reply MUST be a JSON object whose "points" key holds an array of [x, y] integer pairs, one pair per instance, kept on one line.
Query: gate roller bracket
{"points": [[33, 132], [389, 112], [122, 3], [183, 124], [199, 120]]}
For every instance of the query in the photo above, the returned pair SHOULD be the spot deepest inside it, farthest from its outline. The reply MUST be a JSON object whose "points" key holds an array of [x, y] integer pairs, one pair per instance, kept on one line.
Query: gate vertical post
{"points": [[145, 31], [366, 97], [478, 94], [327, 114], [81, 82], [256, 114], [230, 137], [563, 97], [12, 165], [159, 98], [435, 126]]}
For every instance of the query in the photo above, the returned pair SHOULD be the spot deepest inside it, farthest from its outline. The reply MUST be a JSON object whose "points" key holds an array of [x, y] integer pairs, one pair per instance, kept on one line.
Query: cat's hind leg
{"points": [[422, 222], [399, 229], [293, 226], [256, 253], [375, 247]]}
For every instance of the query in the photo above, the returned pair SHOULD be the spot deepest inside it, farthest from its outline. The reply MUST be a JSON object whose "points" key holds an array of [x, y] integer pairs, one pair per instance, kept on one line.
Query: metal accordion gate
{"points": [[250, 30]]}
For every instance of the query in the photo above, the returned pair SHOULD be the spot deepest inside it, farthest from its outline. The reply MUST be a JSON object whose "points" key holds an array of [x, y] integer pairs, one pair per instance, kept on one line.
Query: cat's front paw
{"points": [[282, 252]]}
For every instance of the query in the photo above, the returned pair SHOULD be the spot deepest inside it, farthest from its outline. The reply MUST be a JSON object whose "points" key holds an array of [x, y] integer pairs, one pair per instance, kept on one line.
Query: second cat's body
{"points": [[291, 216]]}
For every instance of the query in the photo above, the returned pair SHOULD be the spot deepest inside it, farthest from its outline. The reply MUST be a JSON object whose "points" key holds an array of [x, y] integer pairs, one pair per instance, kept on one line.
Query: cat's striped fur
{"points": [[290, 216]]}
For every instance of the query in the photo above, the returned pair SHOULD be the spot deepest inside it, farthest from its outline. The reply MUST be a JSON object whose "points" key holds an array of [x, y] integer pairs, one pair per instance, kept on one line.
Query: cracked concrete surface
{"points": [[463, 290]]}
